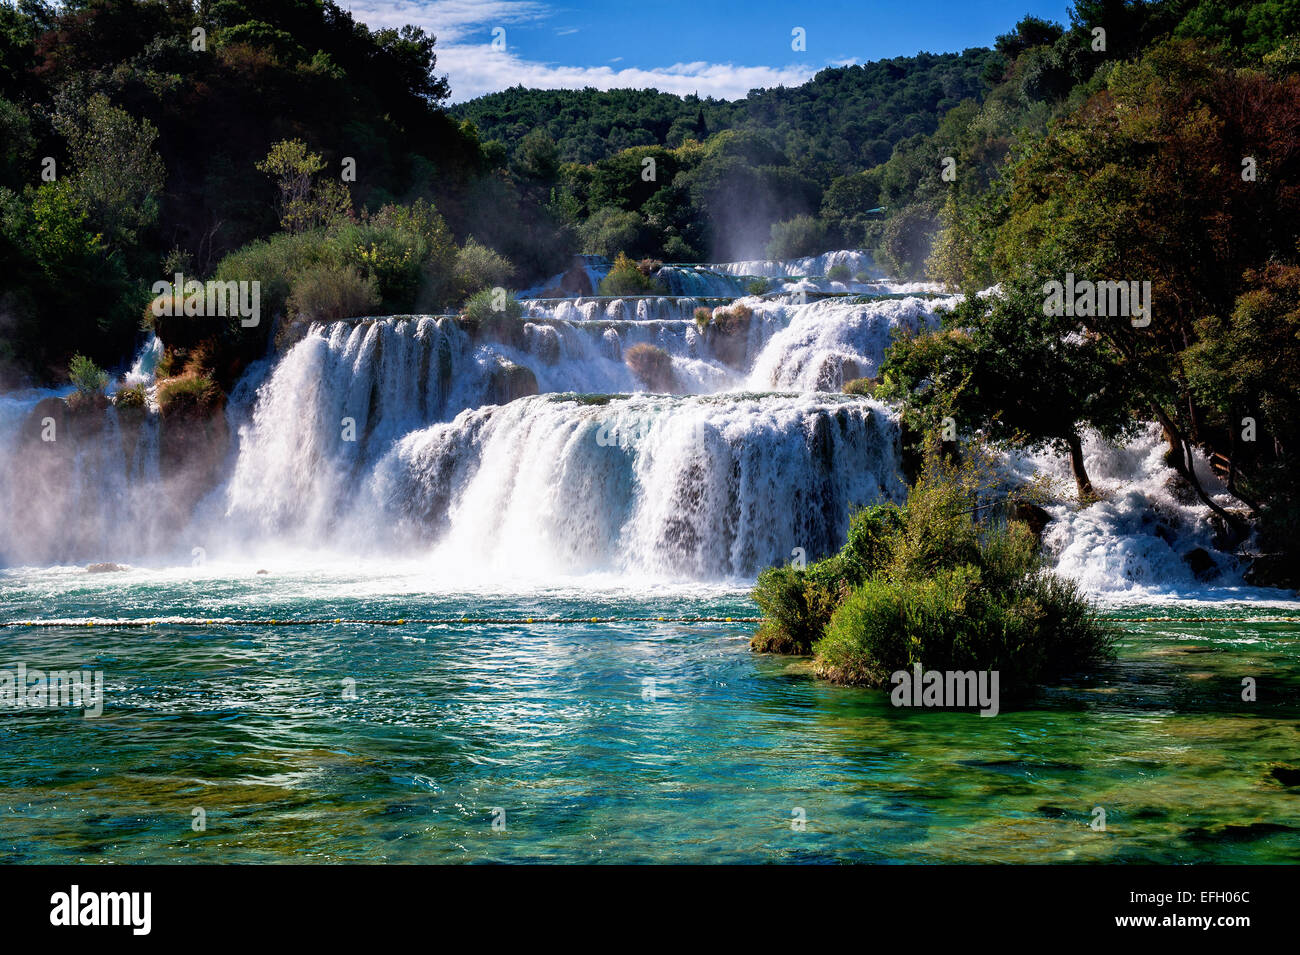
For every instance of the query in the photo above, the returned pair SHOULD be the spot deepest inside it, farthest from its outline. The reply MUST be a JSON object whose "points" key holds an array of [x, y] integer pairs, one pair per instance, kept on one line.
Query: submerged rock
{"points": [[1286, 775], [1201, 563], [510, 381], [1033, 516]]}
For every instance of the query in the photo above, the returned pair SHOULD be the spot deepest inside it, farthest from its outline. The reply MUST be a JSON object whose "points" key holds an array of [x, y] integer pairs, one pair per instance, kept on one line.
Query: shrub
{"points": [[133, 398], [652, 365], [802, 235], [733, 320], [489, 306], [839, 272], [757, 286], [1033, 628], [609, 230], [188, 393], [798, 604], [702, 317], [478, 267], [625, 278], [866, 387], [926, 584], [326, 293], [275, 263], [87, 377], [678, 249]]}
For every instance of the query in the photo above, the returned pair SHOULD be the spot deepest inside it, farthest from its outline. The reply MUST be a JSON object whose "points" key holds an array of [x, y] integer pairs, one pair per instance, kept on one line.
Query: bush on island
{"points": [[928, 584]]}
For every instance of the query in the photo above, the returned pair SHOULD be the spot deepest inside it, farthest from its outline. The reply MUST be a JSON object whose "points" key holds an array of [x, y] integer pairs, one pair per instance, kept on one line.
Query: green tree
{"points": [[306, 202]]}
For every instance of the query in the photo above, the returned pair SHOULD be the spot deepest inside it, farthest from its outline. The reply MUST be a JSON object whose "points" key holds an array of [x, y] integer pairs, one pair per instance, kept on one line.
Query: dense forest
{"points": [[842, 120]]}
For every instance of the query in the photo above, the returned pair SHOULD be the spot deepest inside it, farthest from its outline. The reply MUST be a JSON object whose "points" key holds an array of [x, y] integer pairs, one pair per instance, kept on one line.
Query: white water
{"points": [[387, 439]]}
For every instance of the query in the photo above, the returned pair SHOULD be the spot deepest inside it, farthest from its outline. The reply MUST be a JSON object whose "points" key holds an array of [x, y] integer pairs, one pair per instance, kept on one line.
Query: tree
{"points": [[1024, 378], [115, 169], [1147, 183], [305, 202]]}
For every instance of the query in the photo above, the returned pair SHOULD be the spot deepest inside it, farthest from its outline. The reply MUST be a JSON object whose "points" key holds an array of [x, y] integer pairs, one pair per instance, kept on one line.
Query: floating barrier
{"points": [[327, 621], [495, 621]]}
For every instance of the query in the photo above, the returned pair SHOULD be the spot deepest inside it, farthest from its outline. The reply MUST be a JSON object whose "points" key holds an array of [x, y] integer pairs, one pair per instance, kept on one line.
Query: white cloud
{"points": [[448, 20], [475, 68]]}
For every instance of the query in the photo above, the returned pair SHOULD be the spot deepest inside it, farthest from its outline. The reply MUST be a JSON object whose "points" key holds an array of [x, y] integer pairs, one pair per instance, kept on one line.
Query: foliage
{"points": [[306, 202], [188, 393], [926, 584], [984, 368], [489, 306], [478, 267], [797, 237], [132, 398], [87, 377], [323, 293], [625, 278]]}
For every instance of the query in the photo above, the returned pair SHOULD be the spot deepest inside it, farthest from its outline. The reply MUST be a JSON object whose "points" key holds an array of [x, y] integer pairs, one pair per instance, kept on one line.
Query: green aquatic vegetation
{"points": [[928, 583]]}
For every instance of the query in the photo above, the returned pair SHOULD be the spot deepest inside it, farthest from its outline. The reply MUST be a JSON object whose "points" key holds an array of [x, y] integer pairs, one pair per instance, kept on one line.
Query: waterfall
{"points": [[535, 448], [693, 487]]}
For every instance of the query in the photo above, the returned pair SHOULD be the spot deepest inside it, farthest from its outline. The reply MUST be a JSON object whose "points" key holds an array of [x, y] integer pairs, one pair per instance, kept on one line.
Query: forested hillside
{"points": [[841, 120]]}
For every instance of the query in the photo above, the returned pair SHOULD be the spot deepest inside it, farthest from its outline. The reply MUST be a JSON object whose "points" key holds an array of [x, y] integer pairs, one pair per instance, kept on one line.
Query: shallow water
{"points": [[557, 725]]}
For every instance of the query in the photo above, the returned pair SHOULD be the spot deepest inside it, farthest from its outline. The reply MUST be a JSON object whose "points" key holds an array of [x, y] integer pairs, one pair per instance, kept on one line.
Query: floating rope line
{"points": [[497, 621], [395, 622], [1201, 619]]}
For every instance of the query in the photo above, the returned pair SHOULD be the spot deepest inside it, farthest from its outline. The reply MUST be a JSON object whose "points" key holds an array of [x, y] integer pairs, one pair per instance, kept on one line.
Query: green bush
{"points": [[928, 584], [87, 377], [866, 387], [800, 236], [324, 293], [133, 398], [276, 262], [188, 393], [757, 286], [625, 278], [490, 305], [798, 604], [478, 267], [703, 316], [839, 272]]}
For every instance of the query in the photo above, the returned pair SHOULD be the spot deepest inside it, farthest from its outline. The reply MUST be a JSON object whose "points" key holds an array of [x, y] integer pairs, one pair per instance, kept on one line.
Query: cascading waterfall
{"points": [[540, 453], [696, 487]]}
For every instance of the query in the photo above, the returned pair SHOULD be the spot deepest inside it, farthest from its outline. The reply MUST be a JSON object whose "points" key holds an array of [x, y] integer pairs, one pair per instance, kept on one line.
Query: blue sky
{"points": [[714, 48]]}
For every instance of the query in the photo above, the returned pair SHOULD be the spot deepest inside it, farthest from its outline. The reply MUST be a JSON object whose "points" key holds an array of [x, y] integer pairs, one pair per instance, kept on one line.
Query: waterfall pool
{"points": [[607, 742]]}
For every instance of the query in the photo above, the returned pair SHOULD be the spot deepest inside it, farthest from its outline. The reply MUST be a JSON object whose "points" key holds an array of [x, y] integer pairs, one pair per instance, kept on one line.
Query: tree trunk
{"points": [[1081, 479], [1184, 465]]}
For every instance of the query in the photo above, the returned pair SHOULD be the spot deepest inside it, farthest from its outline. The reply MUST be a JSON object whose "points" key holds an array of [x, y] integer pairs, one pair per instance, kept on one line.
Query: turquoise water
{"points": [[554, 725]]}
